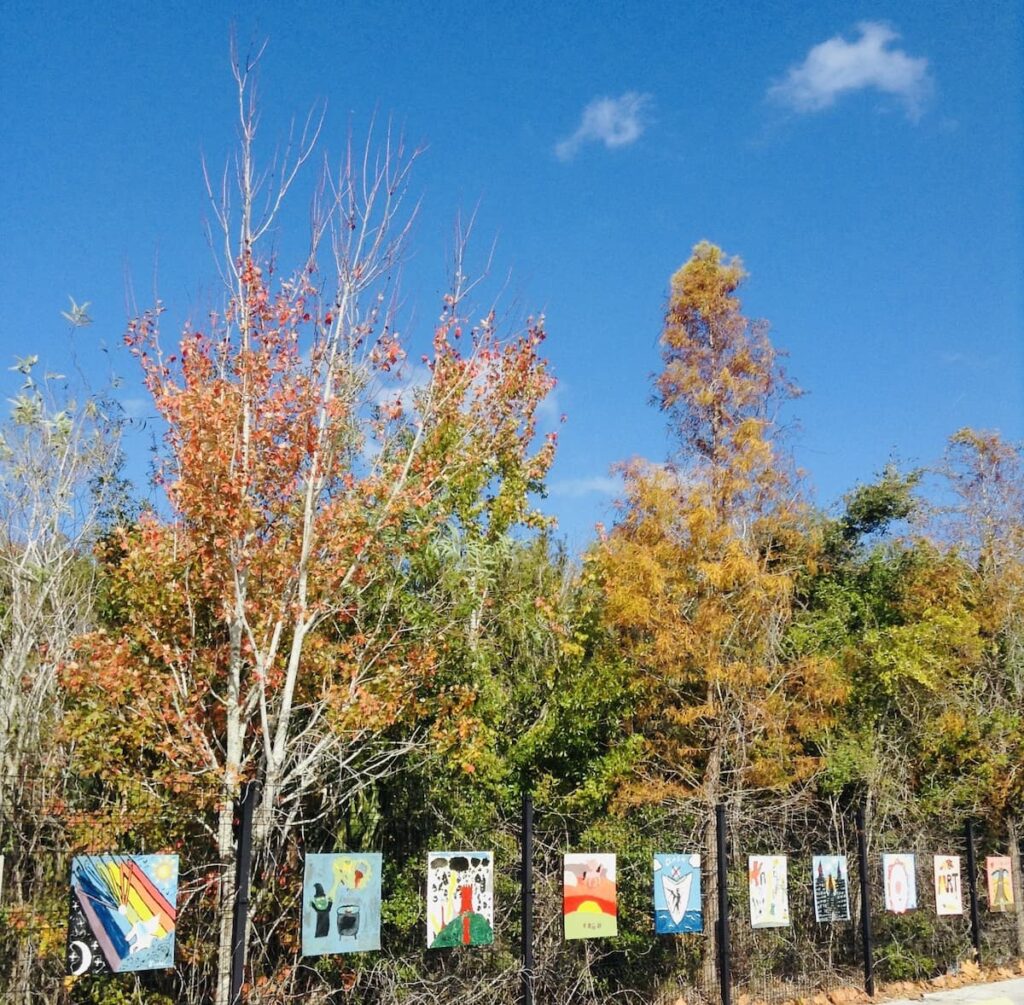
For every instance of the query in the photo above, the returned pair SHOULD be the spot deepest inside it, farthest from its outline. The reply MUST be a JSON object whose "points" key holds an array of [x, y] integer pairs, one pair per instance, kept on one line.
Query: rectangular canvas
{"points": [[589, 898], [899, 881], [677, 906], [122, 913], [341, 896], [769, 896], [947, 885], [460, 899], [1000, 888], [831, 883]]}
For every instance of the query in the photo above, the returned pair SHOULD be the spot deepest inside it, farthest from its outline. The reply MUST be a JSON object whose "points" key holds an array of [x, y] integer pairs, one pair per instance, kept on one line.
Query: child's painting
{"points": [[589, 903], [769, 896], [1000, 887], [677, 906], [899, 882], [341, 903], [947, 885], [123, 911], [460, 899], [831, 885]]}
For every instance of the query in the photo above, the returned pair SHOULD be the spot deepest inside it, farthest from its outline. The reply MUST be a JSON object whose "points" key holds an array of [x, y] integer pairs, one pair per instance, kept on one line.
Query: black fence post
{"points": [[865, 905], [972, 887], [724, 956], [526, 881], [243, 866]]}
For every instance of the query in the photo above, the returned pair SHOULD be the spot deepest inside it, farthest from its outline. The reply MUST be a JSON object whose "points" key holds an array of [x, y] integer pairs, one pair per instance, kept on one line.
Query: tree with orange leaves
{"points": [[265, 623], [698, 572]]}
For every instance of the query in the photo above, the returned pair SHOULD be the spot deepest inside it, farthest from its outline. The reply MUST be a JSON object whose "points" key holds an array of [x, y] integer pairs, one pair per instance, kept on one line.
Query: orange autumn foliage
{"points": [[698, 572]]}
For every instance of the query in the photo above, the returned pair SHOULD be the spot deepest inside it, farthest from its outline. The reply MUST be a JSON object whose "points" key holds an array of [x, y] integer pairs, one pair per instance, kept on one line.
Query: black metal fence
{"points": [[530, 961]]}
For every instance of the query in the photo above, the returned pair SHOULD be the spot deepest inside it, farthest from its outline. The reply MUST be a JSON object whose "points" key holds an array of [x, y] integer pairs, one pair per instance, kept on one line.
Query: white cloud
{"points": [[575, 488], [836, 67], [615, 122], [401, 385]]}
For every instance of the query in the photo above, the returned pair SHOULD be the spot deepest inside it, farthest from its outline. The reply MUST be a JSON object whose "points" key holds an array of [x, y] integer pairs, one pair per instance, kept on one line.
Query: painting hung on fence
{"points": [[1000, 887], [677, 905], [900, 883], [460, 899], [769, 896], [831, 884], [122, 915], [589, 899], [341, 903], [947, 885]]}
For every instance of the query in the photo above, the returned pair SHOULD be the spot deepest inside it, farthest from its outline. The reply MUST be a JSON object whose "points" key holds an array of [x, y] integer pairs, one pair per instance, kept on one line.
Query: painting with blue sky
{"points": [[123, 913], [341, 895]]}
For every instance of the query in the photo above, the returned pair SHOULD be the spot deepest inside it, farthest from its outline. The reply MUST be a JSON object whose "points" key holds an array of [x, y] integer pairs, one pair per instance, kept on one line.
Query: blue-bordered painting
{"points": [[122, 913], [677, 904]]}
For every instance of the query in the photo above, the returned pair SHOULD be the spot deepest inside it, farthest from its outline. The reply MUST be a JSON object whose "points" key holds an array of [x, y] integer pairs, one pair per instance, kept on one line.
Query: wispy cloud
{"points": [[615, 122], [836, 67], [575, 488]]}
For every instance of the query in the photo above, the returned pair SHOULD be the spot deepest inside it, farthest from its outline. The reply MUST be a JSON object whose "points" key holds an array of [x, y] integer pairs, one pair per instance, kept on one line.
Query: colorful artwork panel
{"points": [[677, 906], [899, 880], [460, 899], [769, 895], [122, 913], [341, 896], [589, 898], [947, 885], [831, 884], [998, 870]]}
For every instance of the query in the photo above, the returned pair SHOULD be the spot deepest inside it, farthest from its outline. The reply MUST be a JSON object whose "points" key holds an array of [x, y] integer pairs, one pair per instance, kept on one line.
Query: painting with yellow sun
{"points": [[122, 913]]}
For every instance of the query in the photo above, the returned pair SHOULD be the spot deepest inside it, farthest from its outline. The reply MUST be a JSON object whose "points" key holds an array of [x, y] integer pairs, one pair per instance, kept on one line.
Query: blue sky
{"points": [[865, 160]]}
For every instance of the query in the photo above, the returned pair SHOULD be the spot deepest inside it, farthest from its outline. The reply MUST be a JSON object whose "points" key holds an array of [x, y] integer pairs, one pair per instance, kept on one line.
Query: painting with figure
{"points": [[899, 882], [769, 896], [460, 899], [589, 897], [677, 906], [1000, 888], [341, 896], [122, 913], [947, 885], [831, 883]]}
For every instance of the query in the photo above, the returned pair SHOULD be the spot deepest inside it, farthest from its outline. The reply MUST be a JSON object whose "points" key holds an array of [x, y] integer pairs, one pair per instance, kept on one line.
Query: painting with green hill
{"points": [[460, 899]]}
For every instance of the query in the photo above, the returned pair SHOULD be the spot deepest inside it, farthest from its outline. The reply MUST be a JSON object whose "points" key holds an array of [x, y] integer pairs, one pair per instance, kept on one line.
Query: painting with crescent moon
{"points": [[341, 903], [123, 911], [677, 894]]}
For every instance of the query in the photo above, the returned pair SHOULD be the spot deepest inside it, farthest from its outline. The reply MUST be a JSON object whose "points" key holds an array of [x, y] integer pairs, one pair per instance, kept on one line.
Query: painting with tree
{"points": [[831, 886], [999, 873]]}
